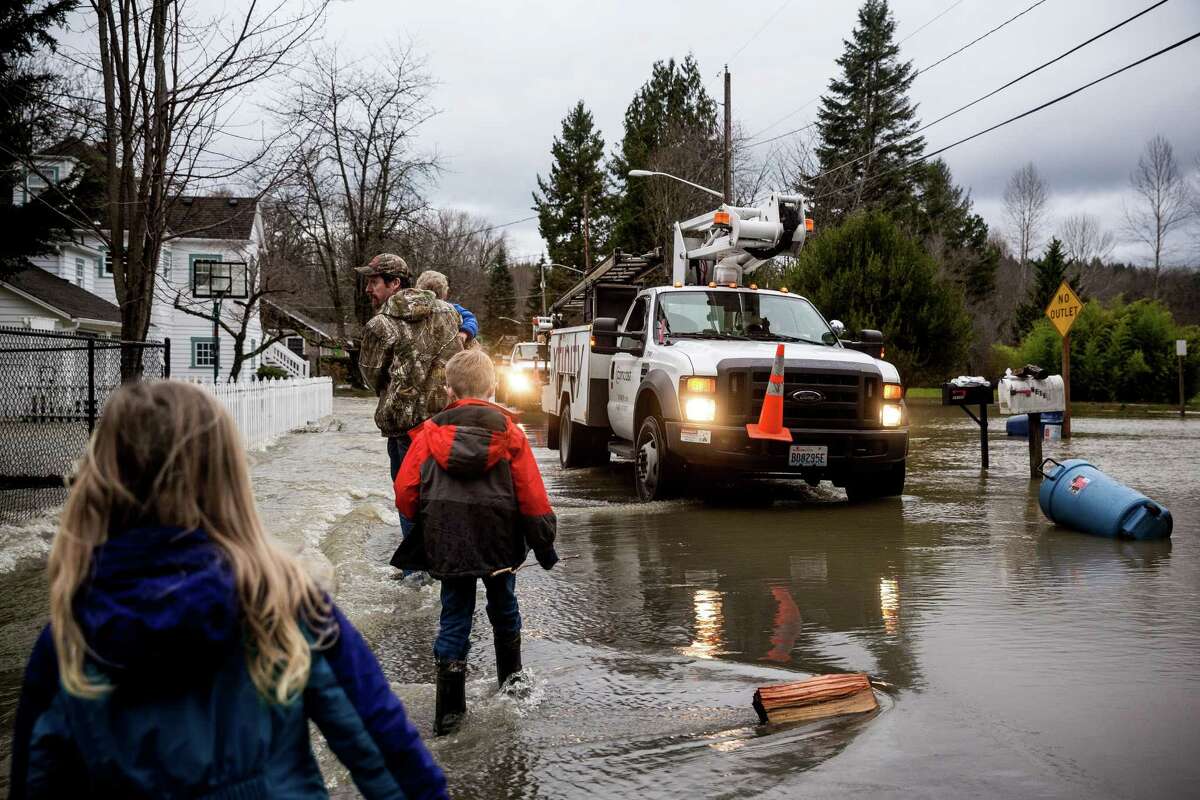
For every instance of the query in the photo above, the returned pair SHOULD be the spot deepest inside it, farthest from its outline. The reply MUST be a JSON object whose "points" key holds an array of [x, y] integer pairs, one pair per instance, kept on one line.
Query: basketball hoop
{"points": [[220, 280]]}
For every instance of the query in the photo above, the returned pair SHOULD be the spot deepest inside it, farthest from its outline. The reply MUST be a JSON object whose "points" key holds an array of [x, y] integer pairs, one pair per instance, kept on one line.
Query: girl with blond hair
{"points": [[186, 654]]}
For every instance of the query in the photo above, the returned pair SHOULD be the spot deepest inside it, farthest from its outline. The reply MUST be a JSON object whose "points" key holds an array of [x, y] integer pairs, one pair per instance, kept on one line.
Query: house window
{"points": [[35, 183], [253, 347], [165, 259], [104, 266], [296, 345], [204, 351], [200, 280], [80, 266]]}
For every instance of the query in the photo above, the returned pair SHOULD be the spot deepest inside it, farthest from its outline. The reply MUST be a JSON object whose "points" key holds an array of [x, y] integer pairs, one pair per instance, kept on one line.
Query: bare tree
{"points": [[1086, 241], [1161, 200], [1025, 199], [457, 244], [171, 87], [354, 181]]}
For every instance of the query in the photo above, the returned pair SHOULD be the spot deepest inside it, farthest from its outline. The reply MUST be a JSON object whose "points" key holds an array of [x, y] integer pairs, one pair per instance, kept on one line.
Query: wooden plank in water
{"points": [[815, 698]]}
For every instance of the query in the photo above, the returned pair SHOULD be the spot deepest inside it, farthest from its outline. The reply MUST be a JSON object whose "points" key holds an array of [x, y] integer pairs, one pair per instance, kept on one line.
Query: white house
{"points": [[202, 229]]}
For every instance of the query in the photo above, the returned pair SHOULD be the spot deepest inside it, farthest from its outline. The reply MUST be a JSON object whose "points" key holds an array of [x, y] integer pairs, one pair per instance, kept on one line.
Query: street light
{"points": [[645, 173], [542, 270]]}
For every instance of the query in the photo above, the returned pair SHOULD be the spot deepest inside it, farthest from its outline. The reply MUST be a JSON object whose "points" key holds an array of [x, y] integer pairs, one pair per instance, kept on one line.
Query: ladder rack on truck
{"points": [[603, 284]]}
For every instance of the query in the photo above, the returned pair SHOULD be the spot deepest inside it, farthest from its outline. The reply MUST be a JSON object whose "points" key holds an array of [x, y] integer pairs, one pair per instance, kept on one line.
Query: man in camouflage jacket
{"points": [[405, 347]]}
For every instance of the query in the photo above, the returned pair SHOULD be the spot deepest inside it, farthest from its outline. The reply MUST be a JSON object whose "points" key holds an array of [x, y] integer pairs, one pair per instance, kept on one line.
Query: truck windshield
{"points": [[741, 315], [526, 352]]}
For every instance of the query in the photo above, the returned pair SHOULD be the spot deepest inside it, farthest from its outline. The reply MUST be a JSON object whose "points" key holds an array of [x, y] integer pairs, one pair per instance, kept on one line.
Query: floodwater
{"points": [[1026, 660]]}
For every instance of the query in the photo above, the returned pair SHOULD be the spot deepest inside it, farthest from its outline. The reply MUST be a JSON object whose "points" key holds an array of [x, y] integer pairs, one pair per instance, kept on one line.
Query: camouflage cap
{"points": [[385, 264]]}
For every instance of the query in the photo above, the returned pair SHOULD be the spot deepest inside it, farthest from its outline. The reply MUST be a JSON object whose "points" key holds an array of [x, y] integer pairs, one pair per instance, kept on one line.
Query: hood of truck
{"points": [[705, 354]]}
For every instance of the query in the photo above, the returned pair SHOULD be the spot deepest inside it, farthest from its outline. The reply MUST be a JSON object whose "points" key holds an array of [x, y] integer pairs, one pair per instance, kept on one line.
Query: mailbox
{"points": [[954, 395], [1030, 396]]}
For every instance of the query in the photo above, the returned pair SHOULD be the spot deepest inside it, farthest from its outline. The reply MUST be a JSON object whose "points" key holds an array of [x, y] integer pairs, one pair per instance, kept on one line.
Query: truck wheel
{"points": [[655, 473], [573, 440], [551, 432], [883, 484]]}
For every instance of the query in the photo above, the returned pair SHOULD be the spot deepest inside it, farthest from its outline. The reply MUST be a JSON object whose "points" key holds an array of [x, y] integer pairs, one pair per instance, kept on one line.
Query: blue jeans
{"points": [[397, 447], [458, 612]]}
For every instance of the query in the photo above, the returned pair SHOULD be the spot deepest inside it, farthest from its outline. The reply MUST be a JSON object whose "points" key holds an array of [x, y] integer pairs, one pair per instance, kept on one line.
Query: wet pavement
{"points": [[1027, 661]]}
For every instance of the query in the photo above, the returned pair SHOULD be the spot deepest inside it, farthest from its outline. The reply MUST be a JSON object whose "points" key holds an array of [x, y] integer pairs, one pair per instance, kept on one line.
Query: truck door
{"points": [[624, 373]]}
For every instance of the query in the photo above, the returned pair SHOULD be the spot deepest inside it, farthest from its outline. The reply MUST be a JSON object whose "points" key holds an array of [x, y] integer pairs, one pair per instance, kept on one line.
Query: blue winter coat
{"points": [[470, 325], [161, 615]]}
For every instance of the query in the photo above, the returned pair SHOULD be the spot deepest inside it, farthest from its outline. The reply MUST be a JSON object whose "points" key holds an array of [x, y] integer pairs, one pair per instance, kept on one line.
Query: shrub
{"points": [[270, 372], [1122, 352], [868, 274]]}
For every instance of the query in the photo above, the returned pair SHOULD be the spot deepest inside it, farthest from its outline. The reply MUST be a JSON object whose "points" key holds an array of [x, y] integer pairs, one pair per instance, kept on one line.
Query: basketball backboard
{"points": [[223, 279]]}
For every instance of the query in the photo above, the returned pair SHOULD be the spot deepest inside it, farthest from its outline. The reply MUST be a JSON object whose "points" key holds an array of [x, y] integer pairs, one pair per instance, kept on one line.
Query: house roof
{"points": [[323, 325], [62, 295], [211, 217]]}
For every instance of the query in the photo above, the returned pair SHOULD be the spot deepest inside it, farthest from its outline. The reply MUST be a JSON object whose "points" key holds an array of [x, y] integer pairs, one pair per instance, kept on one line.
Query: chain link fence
{"points": [[53, 387]]}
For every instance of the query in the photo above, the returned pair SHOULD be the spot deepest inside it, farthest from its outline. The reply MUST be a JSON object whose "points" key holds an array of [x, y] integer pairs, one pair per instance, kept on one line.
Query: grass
{"points": [[925, 393]]}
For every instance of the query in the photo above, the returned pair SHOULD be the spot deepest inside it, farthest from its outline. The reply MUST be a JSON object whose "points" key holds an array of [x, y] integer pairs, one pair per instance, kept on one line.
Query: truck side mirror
{"points": [[605, 335], [866, 335]]}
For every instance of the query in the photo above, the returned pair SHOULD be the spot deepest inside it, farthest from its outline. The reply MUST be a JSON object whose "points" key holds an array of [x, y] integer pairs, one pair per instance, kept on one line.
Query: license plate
{"points": [[808, 455]]}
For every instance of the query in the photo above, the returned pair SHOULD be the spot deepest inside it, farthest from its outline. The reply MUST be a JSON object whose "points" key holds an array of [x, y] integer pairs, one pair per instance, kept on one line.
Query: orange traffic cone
{"points": [[770, 419]]}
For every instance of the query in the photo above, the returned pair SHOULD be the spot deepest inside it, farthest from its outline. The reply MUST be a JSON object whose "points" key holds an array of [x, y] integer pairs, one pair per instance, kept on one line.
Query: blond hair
{"points": [[435, 282], [166, 453], [471, 374]]}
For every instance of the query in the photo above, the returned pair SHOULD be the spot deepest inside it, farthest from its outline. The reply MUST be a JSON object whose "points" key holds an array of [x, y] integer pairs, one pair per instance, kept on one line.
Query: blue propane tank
{"points": [[1077, 495], [1018, 424]]}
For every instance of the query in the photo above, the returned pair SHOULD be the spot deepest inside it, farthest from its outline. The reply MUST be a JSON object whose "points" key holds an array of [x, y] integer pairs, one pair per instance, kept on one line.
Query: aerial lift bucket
{"points": [[770, 419]]}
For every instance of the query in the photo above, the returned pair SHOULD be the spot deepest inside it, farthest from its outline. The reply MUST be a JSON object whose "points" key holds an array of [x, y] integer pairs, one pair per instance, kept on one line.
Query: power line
{"points": [[927, 24], [1022, 115], [979, 38], [918, 72], [753, 36], [999, 89]]}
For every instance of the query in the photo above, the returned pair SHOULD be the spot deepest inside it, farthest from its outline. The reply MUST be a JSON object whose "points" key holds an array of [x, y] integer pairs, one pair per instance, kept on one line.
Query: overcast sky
{"points": [[508, 71]]}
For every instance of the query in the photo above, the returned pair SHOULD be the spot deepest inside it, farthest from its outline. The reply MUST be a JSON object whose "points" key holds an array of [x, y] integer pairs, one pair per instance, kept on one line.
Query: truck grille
{"points": [[812, 398]]}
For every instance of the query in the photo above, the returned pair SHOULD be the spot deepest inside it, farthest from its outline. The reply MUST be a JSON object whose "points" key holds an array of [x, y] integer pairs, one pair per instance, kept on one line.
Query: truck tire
{"points": [[889, 483], [579, 445], [655, 473], [551, 432]]}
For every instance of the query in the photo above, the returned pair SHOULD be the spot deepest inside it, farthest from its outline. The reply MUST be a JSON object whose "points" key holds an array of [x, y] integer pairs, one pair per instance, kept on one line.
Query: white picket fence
{"points": [[265, 410]]}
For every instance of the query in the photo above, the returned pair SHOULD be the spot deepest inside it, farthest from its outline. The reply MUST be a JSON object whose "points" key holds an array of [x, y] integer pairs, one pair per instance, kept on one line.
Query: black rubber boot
{"points": [[451, 703], [508, 657]]}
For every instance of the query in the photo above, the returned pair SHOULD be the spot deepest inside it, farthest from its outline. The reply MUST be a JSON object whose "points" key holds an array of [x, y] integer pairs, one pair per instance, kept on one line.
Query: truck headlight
{"points": [[891, 415], [700, 409], [519, 382]]}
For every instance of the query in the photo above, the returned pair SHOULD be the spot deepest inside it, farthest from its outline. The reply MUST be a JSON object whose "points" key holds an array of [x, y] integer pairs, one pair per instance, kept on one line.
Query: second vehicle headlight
{"points": [[518, 381], [700, 409], [891, 416]]}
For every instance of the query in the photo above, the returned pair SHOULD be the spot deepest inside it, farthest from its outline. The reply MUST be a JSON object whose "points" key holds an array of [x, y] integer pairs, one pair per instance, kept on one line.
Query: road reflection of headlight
{"points": [[891, 415], [519, 382], [700, 409], [889, 604]]}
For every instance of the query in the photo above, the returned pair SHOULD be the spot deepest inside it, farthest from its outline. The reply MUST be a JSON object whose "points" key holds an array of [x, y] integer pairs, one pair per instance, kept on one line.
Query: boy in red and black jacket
{"points": [[470, 484]]}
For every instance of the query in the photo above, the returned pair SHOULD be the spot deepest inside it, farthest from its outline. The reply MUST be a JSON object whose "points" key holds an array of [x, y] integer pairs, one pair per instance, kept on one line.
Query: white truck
{"points": [[670, 376]]}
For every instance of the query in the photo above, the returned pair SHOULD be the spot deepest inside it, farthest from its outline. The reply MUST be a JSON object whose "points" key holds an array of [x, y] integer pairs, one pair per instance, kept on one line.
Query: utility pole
{"points": [[727, 180], [587, 255]]}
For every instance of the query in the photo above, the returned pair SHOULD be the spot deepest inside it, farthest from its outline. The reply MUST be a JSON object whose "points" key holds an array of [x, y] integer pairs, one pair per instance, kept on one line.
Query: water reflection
{"points": [[708, 626], [889, 604]]}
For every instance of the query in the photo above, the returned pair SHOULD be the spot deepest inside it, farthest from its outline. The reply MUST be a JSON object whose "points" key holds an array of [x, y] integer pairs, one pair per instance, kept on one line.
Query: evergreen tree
{"points": [[500, 301], [869, 274], [574, 201], [29, 229], [957, 238], [671, 126], [866, 118], [533, 305], [1048, 273]]}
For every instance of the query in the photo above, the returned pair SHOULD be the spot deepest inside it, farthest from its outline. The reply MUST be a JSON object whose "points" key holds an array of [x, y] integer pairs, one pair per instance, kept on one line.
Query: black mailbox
{"points": [[953, 395]]}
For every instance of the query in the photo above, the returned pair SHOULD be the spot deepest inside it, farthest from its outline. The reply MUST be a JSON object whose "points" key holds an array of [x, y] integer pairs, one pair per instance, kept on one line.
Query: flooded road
{"points": [[1027, 661]]}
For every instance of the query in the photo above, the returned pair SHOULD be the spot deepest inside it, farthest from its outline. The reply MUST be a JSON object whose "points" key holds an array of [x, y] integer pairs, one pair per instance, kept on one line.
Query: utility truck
{"points": [[674, 377]]}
